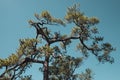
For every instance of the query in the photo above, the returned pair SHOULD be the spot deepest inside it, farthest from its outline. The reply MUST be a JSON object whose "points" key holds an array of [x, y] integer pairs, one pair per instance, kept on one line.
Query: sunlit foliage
{"points": [[50, 48]]}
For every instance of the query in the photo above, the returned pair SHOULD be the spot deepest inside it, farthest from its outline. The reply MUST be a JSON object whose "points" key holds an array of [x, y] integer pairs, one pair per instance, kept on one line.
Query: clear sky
{"points": [[14, 16]]}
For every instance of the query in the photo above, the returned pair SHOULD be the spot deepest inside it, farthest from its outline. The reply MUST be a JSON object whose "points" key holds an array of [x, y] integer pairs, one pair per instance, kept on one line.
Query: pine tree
{"points": [[50, 48]]}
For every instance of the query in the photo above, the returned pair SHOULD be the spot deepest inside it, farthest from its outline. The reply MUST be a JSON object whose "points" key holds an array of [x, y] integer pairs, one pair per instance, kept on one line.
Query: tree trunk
{"points": [[46, 69]]}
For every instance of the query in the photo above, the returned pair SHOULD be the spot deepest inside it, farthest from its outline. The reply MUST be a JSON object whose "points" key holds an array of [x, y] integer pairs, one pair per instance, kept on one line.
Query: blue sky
{"points": [[14, 16]]}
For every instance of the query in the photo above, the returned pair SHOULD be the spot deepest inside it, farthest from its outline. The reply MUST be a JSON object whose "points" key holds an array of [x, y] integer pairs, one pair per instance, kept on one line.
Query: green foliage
{"points": [[26, 77], [26, 46], [52, 53], [86, 31], [74, 15], [49, 19], [87, 75], [63, 68], [11, 60], [47, 50]]}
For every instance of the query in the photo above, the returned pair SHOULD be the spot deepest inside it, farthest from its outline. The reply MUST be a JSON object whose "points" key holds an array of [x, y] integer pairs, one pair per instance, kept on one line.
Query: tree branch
{"points": [[26, 60], [60, 40], [69, 38]]}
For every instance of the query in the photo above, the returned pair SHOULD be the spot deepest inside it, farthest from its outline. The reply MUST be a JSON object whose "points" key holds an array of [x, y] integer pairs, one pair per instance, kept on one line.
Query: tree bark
{"points": [[46, 69]]}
